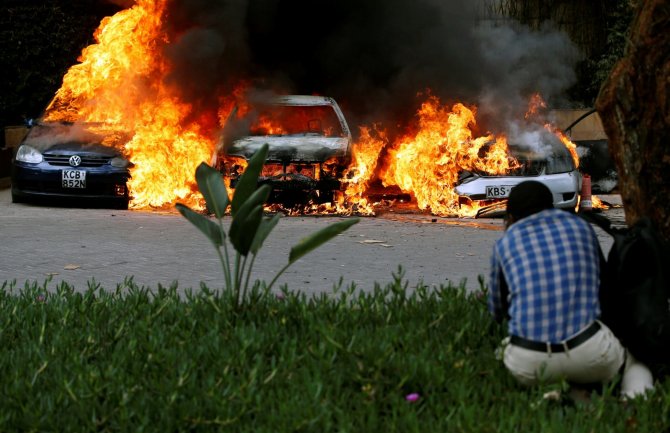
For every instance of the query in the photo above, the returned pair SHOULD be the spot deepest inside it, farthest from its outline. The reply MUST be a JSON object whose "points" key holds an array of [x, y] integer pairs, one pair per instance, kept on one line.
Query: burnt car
{"points": [[309, 146], [549, 162], [70, 163]]}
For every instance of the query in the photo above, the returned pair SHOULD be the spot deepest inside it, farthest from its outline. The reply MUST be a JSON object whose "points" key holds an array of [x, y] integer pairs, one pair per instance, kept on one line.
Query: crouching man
{"points": [[545, 274]]}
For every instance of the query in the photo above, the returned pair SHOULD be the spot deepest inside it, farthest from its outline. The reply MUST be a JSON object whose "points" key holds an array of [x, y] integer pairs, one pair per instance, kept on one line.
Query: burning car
{"points": [[309, 146], [550, 163], [58, 160]]}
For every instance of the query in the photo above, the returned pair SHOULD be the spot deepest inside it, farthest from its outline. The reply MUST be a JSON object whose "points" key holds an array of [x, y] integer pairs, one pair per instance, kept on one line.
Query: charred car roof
{"points": [[302, 128]]}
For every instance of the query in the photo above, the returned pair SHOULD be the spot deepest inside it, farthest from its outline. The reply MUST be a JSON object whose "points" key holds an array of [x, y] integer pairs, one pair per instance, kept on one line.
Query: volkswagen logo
{"points": [[75, 160]]}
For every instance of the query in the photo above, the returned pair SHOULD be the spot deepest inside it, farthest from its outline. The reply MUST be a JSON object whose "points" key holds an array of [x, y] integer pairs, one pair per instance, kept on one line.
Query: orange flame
{"points": [[572, 147], [535, 104], [365, 157], [119, 86], [267, 126], [597, 203], [427, 163], [119, 83]]}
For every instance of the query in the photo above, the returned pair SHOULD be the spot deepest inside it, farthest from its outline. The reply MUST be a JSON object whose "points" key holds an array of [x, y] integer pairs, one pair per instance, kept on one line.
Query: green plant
{"points": [[394, 357], [248, 228]]}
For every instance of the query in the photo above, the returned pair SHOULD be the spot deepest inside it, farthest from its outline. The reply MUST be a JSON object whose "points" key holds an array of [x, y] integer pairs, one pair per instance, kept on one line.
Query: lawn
{"points": [[393, 358]]}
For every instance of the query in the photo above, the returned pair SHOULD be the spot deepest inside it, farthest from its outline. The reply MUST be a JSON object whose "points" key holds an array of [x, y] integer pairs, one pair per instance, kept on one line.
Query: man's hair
{"points": [[527, 198]]}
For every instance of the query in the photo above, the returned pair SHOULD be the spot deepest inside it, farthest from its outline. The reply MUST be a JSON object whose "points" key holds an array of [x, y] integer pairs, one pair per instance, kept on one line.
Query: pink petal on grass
{"points": [[412, 397]]}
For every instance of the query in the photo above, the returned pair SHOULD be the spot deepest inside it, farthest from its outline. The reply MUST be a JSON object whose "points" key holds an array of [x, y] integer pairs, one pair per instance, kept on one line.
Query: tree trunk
{"points": [[634, 105]]}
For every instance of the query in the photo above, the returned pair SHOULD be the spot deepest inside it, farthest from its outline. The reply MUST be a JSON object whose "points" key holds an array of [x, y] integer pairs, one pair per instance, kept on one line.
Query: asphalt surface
{"points": [[86, 247]]}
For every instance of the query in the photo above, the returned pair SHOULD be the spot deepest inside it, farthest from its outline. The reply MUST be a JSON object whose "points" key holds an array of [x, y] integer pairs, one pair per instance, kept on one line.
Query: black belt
{"points": [[556, 347]]}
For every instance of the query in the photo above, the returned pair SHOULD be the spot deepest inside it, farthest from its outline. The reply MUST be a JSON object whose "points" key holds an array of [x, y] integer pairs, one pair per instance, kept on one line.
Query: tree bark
{"points": [[634, 105]]}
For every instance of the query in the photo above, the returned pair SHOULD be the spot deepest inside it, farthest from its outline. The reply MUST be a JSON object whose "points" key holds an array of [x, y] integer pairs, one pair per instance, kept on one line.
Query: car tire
{"points": [[122, 205], [324, 196], [17, 198]]}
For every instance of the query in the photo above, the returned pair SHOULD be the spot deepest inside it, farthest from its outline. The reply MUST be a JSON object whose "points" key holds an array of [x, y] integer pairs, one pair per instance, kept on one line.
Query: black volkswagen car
{"points": [[78, 164]]}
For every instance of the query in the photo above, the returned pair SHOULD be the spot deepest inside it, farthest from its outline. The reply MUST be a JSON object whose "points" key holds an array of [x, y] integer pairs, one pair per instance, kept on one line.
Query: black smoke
{"points": [[372, 56]]}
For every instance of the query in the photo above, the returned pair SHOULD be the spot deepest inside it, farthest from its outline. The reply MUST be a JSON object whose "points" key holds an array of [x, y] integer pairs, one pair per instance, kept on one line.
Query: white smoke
{"points": [[519, 63], [531, 137]]}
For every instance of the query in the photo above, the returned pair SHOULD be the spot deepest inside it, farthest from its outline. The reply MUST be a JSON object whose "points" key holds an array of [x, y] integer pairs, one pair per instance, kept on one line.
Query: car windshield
{"points": [[292, 120], [559, 160]]}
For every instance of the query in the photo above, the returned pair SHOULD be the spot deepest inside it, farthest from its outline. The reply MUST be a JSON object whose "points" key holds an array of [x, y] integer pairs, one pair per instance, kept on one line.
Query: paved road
{"points": [[82, 245]]}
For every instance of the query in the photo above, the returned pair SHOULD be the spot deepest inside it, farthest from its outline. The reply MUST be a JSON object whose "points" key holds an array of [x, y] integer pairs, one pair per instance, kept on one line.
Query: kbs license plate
{"points": [[74, 179], [500, 191]]}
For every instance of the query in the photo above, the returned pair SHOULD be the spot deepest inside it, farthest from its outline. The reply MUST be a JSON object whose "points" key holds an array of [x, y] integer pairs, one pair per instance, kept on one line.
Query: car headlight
{"points": [[119, 162], [29, 154]]}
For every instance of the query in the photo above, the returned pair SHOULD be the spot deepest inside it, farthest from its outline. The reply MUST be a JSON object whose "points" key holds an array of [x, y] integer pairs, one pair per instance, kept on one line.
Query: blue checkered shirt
{"points": [[550, 261]]}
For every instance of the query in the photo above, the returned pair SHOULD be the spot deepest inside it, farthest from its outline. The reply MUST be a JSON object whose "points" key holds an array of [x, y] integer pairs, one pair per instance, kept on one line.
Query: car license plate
{"points": [[498, 191], [74, 179]]}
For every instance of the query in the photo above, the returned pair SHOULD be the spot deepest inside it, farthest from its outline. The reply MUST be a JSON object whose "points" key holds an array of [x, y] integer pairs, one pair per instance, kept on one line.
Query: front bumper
{"points": [[564, 187], [44, 181]]}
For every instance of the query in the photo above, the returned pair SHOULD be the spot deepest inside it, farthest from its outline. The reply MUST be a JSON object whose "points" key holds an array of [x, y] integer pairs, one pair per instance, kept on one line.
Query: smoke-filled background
{"points": [[372, 56]]}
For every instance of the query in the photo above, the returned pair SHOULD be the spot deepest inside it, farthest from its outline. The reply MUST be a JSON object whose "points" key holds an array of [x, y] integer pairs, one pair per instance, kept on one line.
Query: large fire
{"points": [[427, 162], [120, 84], [275, 121]]}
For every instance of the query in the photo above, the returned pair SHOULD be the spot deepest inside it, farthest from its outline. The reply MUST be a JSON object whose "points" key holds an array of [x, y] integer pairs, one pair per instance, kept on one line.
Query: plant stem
{"points": [[226, 267], [246, 282], [278, 274], [241, 273], [237, 285]]}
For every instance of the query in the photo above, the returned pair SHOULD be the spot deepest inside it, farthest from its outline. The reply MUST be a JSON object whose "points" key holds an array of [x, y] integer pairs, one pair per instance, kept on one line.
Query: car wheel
{"points": [[17, 199], [324, 196]]}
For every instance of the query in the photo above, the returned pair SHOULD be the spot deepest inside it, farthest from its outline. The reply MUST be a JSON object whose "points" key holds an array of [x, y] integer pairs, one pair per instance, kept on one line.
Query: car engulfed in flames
{"points": [[309, 146], [548, 161], [125, 80]]}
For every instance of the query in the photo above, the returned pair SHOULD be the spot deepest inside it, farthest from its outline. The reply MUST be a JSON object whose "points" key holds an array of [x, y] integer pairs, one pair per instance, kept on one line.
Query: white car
{"points": [[553, 166], [309, 145]]}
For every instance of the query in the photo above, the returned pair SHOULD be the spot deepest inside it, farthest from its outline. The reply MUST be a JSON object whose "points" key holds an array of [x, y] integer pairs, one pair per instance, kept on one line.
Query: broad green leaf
{"points": [[264, 229], [239, 228], [317, 238], [246, 184], [258, 197], [204, 224], [212, 188], [246, 230]]}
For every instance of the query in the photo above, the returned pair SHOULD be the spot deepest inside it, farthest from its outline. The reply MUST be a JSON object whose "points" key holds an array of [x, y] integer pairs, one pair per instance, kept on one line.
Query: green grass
{"points": [[135, 360]]}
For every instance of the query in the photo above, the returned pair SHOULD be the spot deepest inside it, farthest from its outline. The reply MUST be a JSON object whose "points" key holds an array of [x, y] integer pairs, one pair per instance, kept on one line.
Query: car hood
{"points": [[65, 138], [81, 149], [302, 148]]}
